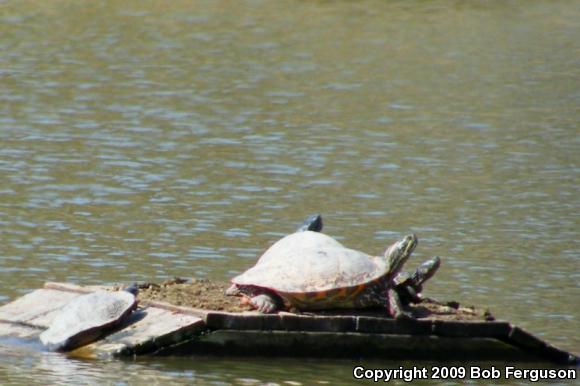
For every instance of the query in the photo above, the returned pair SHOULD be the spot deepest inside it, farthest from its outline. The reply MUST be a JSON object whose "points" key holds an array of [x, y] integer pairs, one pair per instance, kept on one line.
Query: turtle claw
{"points": [[404, 315], [264, 304]]}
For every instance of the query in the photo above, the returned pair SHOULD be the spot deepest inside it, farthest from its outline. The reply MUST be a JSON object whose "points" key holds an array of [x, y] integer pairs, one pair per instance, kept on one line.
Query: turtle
{"points": [[312, 223], [409, 286], [315, 272], [88, 317]]}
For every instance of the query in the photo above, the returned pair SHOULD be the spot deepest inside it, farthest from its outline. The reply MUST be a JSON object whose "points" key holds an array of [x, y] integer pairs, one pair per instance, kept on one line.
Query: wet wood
{"points": [[356, 323], [19, 330], [36, 308], [161, 328], [492, 329], [150, 327], [148, 330], [328, 344], [530, 343]]}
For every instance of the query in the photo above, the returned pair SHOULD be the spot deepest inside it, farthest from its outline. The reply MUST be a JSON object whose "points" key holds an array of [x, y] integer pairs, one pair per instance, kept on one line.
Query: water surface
{"points": [[145, 140]]}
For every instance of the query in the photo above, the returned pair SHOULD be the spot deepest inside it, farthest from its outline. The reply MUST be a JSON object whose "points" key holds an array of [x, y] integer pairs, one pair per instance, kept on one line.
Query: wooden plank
{"points": [[158, 327], [36, 307], [354, 323], [69, 287], [527, 341], [334, 344], [369, 324], [282, 321], [491, 329], [152, 303], [148, 330], [19, 330], [198, 312]]}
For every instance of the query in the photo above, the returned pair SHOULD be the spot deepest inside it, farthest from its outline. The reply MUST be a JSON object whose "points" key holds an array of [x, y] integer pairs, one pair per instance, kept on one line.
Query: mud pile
{"points": [[195, 293], [209, 295]]}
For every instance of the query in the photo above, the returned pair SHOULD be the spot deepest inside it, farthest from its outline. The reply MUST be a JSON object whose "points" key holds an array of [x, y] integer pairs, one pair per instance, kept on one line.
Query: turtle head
{"points": [[426, 270], [398, 253], [132, 289], [234, 290], [312, 223]]}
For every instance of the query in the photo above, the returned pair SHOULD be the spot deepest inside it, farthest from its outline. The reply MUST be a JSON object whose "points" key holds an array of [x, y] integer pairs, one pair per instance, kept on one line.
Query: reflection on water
{"points": [[144, 141]]}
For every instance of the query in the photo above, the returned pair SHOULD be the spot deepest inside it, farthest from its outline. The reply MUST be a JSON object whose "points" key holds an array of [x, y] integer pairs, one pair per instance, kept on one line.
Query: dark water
{"points": [[145, 140]]}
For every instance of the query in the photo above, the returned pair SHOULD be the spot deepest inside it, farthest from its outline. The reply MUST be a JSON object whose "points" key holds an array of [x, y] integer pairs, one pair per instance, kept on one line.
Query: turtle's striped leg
{"points": [[264, 303], [394, 306]]}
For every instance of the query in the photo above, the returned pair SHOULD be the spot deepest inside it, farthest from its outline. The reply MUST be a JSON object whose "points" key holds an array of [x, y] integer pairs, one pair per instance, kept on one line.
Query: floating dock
{"points": [[158, 328]]}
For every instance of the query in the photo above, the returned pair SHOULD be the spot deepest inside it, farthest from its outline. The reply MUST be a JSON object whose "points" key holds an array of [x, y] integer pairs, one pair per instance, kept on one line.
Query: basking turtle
{"points": [[409, 286], [312, 223], [315, 272], [88, 317]]}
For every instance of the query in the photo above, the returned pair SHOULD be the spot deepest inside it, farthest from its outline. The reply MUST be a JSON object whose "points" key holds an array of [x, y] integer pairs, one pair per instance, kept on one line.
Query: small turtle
{"points": [[88, 317], [312, 223], [409, 286], [312, 271]]}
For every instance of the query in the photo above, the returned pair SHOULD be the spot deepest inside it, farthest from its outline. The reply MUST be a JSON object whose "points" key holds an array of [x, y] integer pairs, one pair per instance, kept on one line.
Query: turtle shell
{"points": [[326, 275], [86, 318], [298, 240], [314, 270]]}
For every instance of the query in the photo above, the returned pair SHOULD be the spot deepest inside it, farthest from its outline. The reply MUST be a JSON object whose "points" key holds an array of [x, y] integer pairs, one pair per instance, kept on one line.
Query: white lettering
{"points": [[387, 375], [460, 372], [479, 373], [535, 375]]}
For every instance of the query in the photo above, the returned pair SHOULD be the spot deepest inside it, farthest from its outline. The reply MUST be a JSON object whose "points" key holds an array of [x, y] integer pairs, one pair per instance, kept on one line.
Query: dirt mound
{"points": [[209, 295], [195, 293]]}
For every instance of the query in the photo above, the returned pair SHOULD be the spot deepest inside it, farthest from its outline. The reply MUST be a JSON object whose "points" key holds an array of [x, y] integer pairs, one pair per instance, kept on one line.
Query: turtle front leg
{"points": [[264, 303], [409, 294], [394, 306]]}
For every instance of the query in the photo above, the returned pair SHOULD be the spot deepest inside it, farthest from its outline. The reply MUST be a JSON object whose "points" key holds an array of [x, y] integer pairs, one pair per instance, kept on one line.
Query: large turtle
{"points": [[312, 271], [407, 285], [88, 317]]}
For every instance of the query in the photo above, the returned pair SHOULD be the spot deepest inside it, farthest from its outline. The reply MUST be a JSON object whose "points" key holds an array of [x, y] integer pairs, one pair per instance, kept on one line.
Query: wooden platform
{"points": [[162, 329]]}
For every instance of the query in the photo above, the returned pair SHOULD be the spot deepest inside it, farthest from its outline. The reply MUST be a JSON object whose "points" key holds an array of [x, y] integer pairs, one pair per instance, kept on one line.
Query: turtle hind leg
{"points": [[265, 303], [394, 306]]}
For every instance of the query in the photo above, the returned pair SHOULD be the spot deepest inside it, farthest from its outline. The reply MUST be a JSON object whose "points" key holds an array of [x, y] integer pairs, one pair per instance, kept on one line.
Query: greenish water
{"points": [[142, 140]]}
